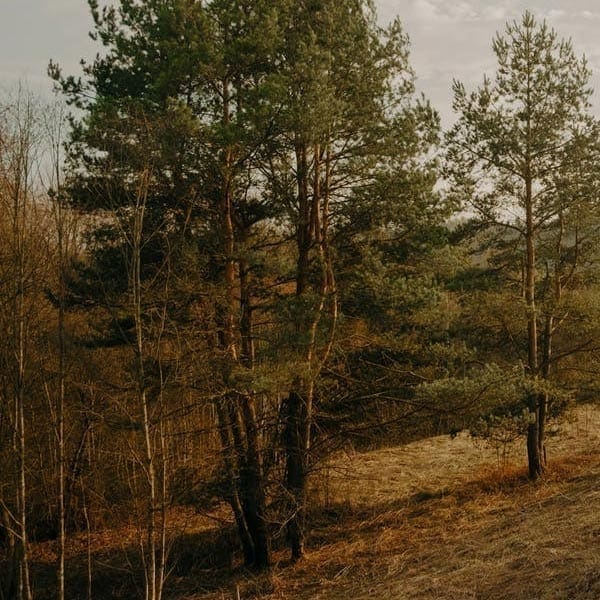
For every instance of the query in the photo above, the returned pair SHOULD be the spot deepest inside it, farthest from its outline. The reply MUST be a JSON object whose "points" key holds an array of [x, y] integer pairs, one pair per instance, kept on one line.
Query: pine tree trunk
{"points": [[253, 488], [232, 493], [534, 459], [296, 471], [312, 237], [295, 409], [542, 418], [252, 473]]}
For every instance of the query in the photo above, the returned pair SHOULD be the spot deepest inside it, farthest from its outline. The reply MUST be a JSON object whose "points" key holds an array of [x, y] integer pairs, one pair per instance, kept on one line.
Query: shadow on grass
{"points": [[209, 562], [337, 522], [197, 563]]}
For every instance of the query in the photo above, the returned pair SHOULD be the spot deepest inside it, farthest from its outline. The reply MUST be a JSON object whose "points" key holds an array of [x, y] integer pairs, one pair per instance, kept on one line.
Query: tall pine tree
{"points": [[514, 135]]}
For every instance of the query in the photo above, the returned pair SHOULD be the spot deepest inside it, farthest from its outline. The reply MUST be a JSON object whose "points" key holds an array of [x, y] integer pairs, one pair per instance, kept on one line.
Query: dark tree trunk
{"points": [[295, 410], [542, 417], [231, 493], [296, 442], [252, 487], [252, 477], [534, 442], [313, 250], [238, 423], [534, 457], [9, 576], [542, 413]]}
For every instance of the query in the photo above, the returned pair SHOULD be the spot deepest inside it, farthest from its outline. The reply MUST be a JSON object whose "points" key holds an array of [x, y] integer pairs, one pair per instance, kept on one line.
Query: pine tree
{"points": [[513, 135], [348, 123]]}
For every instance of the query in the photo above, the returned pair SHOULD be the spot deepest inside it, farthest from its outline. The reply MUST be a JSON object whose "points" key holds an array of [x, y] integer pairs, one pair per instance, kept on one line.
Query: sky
{"points": [[449, 39]]}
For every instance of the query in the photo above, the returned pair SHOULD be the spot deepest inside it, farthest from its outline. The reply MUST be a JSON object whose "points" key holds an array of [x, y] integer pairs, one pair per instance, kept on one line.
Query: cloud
{"points": [[555, 14], [424, 10], [589, 15], [436, 11], [495, 13], [433, 12]]}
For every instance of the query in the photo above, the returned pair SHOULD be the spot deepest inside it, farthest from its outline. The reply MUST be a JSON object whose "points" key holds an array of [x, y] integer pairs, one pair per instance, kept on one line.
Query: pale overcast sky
{"points": [[449, 39]]}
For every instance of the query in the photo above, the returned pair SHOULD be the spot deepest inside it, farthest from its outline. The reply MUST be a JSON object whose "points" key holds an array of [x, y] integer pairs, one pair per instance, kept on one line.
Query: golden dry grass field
{"points": [[440, 518], [445, 519]]}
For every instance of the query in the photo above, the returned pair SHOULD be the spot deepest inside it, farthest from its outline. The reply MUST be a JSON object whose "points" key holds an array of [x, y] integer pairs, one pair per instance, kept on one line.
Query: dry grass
{"points": [[441, 462], [494, 537], [437, 519]]}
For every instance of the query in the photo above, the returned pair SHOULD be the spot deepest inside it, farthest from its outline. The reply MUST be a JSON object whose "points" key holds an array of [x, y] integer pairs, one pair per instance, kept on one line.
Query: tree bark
{"points": [[239, 425], [312, 236], [534, 458], [232, 495]]}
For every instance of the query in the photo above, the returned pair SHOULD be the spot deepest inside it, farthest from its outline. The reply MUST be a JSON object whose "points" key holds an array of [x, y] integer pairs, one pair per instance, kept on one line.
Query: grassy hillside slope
{"points": [[441, 518]]}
